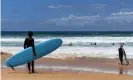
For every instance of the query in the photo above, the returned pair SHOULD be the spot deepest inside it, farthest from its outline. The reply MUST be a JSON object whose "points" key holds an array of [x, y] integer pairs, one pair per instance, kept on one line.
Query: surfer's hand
{"points": [[34, 54]]}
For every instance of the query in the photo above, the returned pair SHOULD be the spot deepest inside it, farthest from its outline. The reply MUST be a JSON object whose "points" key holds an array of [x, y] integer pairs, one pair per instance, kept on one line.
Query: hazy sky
{"points": [[67, 15]]}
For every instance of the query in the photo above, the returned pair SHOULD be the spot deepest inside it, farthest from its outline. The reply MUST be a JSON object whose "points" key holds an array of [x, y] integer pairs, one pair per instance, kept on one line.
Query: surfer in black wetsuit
{"points": [[29, 42], [121, 53]]}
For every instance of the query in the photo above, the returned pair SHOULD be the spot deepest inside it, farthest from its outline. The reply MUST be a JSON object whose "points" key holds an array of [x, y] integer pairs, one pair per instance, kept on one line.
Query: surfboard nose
{"points": [[58, 40]]}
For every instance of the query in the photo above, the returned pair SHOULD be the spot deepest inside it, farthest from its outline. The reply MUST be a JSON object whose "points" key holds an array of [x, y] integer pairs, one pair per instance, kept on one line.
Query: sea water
{"points": [[75, 43]]}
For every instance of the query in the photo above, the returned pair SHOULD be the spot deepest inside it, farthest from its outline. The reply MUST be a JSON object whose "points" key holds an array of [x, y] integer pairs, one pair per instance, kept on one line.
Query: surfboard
{"points": [[26, 55]]}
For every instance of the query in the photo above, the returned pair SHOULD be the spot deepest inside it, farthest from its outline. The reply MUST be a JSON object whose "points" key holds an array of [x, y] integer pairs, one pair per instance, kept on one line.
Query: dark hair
{"points": [[30, 33]]}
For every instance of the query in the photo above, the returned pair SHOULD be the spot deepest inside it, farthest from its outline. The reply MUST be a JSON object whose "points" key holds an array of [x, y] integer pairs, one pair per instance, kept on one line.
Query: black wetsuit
{"points": [[29, 42], [121, 53]]}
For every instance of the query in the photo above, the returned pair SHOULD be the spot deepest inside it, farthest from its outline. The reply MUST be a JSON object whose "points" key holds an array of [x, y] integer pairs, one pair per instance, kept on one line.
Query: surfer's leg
{"points": [[28, 64], [121, 65], [121, 69], [33, 67], [121, 59]]}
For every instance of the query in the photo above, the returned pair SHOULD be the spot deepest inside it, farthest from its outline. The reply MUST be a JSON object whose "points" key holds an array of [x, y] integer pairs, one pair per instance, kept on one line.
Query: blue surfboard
{"points": [[26, 55]]}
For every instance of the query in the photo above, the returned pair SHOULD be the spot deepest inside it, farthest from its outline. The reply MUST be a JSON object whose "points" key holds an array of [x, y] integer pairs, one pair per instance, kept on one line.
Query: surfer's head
{"points": [[30, 33], [121, 45]]}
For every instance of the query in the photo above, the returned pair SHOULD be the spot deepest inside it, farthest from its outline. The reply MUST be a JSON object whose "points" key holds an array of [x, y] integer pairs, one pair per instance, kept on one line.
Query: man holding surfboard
{"points": [[121, 53], [29, 42]]}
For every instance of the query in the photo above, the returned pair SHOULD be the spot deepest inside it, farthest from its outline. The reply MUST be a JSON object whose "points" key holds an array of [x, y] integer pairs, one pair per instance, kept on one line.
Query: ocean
{"points": [[75, 43]]}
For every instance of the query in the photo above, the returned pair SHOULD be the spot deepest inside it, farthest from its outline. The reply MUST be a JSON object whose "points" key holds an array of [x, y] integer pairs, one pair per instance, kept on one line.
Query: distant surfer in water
{"points": [[70, 44], [95, 44], [121, 53], [29, 42], [113, 44]]}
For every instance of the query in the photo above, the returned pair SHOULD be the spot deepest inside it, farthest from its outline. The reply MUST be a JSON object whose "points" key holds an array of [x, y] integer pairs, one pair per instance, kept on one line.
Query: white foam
{"points": [[65, 52], [83, 49], [75, 39], [11, 49]]}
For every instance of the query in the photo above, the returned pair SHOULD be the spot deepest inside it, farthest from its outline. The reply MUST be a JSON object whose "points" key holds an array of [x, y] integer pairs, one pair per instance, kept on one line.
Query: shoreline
{"points": [[68, 69], [80, 64]]}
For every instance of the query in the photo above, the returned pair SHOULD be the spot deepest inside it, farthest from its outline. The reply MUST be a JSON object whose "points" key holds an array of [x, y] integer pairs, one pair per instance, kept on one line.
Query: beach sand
{"points": [[8, 74], [44, 74]]}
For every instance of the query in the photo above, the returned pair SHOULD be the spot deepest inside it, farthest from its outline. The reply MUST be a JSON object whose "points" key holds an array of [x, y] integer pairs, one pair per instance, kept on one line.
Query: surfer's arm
{"points": [[33, 47], [25, 44]]}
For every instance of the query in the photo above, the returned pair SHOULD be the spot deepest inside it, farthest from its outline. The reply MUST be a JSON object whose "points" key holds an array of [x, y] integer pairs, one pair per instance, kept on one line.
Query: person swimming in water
{"points": [[113, 43], [121, 53], [70, 44], [95, 44], [29, 42]]}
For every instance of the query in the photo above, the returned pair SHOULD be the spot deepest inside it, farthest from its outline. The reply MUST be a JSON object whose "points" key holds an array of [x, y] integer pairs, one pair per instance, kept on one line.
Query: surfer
{"points": [[95, 44], [113, 43], [70, 44], [121, 53], [29, 42]]}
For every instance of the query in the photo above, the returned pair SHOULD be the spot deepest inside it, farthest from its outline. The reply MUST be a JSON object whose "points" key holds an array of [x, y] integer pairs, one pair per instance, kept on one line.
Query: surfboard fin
{"points": [[13, 68]]}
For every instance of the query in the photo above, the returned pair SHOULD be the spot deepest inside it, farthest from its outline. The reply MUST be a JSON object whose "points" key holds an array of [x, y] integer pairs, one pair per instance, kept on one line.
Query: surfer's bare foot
{"points": [[33, 71], [29, 72], [121, 73]]}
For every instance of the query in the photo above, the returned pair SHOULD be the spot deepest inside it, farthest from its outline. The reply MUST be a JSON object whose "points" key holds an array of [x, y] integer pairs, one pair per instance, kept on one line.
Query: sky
{"points": [[67, 15]]}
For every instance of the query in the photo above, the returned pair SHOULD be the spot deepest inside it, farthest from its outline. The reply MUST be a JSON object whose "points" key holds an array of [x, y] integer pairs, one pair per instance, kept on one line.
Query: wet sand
{"points": [[21, 74], [8, 74]]}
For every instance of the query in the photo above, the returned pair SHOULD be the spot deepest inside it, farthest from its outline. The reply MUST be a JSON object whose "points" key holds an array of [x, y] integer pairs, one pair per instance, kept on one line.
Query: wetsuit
{"points": [[121, 53], [29, 42]]}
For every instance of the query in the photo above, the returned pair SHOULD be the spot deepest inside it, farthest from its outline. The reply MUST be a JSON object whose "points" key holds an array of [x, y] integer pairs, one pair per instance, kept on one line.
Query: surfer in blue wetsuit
{"points": [[121, 53], [29, 42]]}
